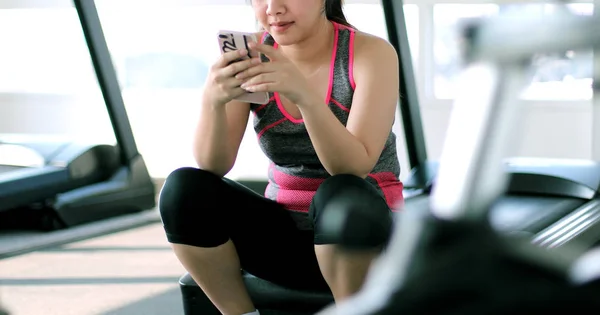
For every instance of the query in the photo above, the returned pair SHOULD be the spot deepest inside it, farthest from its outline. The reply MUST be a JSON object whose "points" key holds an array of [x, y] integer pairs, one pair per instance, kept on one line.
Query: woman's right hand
{"points": [[221, 85]]}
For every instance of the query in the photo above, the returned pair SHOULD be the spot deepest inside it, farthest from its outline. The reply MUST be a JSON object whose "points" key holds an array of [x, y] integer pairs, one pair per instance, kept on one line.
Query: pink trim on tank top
{"points": [[269, 127], [331, 77], [264, 35], [294, 192], [344, 108], [391, 187], [350, 53], [351, 60]]}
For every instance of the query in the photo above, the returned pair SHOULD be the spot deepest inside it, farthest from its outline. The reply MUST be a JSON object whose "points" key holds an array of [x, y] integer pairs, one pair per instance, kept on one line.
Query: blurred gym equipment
{"points": [[545, 199], [450, 259]]}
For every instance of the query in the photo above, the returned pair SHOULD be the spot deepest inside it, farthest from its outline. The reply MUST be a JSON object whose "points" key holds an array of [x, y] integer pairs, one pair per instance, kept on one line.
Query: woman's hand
{"points": [[279, 75], [221, 85]]}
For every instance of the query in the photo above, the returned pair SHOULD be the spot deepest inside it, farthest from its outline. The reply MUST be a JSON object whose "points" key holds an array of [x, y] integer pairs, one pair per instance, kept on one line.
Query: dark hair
{"points": [[335, 13]]}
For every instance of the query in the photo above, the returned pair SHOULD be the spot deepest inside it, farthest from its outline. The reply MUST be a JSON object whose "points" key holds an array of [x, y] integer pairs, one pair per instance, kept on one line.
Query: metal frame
{"points": [[409, 99], [107, 78], [596, 96], [471, 174]]}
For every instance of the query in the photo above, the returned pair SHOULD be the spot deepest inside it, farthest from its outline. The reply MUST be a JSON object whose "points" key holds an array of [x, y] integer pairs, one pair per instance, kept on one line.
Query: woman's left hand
{"points": [[279, 75]]}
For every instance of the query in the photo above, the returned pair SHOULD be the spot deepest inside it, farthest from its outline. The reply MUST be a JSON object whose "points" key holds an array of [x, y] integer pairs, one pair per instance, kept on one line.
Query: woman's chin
{"points": [[284, 39]]}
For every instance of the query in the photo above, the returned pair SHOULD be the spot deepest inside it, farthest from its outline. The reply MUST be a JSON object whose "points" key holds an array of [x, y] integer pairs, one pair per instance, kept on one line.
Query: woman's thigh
{"points": [[201, 209], [269, 244]]}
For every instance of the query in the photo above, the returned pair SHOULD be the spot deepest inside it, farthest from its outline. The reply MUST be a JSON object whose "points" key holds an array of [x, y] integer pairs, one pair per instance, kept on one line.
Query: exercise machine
{"points": [[450, 260], [552, 201], [3, 311], [72, 182]]}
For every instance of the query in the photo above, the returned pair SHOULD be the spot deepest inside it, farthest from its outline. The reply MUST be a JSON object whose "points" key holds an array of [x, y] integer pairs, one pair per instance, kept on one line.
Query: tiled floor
{"points": [[131, 272]]}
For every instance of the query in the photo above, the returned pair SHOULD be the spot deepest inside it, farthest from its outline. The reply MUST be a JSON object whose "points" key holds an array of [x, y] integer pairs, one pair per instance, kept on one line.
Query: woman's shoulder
{"points": [[367, 43], [372, 53]]}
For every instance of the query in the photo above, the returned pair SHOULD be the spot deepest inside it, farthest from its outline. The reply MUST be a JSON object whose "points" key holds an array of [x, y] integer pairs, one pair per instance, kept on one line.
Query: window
{"points": [[560, 77], [163, 67], [46, 55], [162, 60], [363, 16], [162, 51], [566, 76], [47, 83], [445, 49]]}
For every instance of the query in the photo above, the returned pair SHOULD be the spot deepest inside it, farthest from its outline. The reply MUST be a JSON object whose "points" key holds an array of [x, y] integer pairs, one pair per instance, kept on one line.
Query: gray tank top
{"points": [[295, 171]]}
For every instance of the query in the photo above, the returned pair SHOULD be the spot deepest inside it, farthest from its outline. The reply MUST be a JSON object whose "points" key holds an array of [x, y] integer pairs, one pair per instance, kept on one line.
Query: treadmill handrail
{"points": [[552, 177], [8, 178], [500, 39], [596, 94], [408, 105], [107, 78]]}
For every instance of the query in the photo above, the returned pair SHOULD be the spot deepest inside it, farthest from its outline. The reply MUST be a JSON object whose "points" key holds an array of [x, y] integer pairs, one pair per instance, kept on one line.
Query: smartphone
{"points": [[232, 40]]}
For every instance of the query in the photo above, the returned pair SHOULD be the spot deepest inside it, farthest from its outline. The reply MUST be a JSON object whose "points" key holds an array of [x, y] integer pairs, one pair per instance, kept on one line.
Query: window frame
{"points": [[426, 63], [425, 67]]}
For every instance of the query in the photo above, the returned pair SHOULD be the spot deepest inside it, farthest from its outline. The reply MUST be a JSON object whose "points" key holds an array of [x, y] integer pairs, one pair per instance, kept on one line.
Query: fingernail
{"points": [[243, 52], [244, 85], [256, 61], [251, 44]]}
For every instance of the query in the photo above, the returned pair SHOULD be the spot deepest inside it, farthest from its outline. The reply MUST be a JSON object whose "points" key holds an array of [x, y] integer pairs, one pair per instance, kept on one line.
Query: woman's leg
{"points": [[345, 269], [217, 227]]}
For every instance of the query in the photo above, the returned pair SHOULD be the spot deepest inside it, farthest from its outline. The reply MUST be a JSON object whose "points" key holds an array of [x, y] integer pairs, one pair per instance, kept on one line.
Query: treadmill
{"points": [[72, 183], [550, 201]]}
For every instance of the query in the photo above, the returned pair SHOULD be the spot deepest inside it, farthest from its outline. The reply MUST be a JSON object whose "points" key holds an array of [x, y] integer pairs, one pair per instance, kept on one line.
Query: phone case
{"points": [[232, 40]]}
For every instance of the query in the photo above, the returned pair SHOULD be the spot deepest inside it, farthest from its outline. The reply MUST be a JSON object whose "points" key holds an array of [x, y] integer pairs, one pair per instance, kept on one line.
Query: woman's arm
{"points": [[355, 149], [220, 130], [218, 136]]}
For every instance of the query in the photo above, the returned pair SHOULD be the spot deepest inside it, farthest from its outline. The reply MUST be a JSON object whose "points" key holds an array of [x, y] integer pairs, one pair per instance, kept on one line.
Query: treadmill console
{"points": [[557, 177], [569, 178]]}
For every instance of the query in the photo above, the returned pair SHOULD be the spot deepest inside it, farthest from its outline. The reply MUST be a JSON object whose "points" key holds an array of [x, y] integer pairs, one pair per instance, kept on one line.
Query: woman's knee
{"points": [[187, 207], [349, 210]]}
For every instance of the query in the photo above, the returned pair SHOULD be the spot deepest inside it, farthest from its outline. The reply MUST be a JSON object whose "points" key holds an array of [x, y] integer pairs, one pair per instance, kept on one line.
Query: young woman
{"points": [[327, 131]]}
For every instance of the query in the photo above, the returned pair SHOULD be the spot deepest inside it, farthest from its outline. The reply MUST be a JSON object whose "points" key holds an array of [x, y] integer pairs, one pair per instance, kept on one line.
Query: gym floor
{"points": [[124, 273], [131, 272]]}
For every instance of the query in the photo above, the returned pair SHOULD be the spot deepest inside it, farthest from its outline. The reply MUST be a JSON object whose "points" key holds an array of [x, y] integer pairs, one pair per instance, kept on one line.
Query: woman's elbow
{"points": [[218, 167], [355, 170]]}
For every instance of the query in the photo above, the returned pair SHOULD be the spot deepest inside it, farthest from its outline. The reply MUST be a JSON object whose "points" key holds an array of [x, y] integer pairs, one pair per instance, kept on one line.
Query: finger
{"points": [[231, 88], [239, 66], [260, 79], [263, 87], [232, 83], [236, 92], [268, 50], [265, 67], [230, 56]]}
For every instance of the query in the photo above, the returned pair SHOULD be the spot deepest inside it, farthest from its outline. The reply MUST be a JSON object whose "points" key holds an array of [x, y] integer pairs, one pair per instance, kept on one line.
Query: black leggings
{"points": [[201, 209]]}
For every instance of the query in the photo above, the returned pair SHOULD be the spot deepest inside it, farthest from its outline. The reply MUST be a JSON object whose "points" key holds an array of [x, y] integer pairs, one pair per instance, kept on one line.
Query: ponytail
{"points": [[335, 13]]}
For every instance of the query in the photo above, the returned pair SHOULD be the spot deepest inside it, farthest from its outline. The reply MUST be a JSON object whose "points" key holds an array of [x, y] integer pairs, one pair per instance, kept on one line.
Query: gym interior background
{"points": [[161, 51]]}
